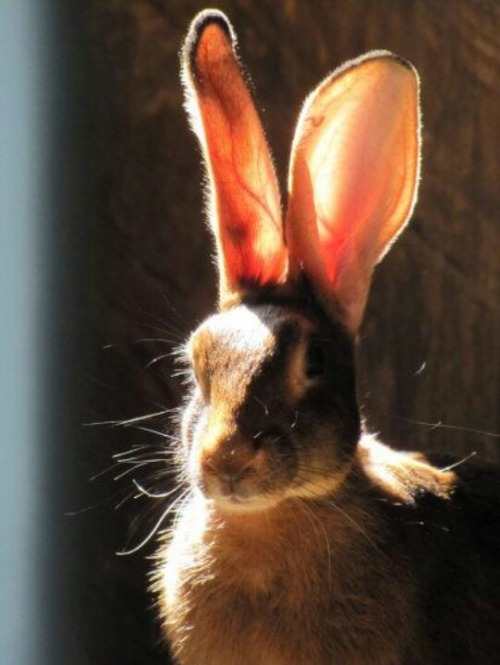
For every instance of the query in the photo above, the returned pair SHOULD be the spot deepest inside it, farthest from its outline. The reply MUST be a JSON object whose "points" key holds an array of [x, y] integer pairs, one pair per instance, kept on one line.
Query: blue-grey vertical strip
{"points": [[68, 185], [22, 223], [45, 227]]}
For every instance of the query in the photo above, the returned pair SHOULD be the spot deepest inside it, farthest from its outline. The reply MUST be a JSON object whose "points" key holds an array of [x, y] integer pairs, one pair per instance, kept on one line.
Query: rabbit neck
{"points": [[289, 549], [267, 573]]}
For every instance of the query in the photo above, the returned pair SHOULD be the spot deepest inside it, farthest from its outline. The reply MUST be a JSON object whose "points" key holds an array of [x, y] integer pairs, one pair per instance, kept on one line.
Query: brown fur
{"points": [[304, 583], [331, 581]]}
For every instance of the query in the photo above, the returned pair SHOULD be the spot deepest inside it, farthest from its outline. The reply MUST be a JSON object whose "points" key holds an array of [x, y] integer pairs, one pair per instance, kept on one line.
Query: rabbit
{"points": [[305, 540]]}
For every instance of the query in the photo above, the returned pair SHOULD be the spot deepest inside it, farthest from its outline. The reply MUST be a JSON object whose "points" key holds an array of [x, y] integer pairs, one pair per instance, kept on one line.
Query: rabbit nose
{"points": [[230, 461]]}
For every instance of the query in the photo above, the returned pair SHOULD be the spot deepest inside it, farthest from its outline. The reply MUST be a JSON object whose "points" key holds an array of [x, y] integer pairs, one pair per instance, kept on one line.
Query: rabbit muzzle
{"points": [[229, 466], [237, 471]]}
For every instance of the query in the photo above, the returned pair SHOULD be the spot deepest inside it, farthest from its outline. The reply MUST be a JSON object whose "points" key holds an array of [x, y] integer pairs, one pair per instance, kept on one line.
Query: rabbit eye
{"points": [[315, 365]]}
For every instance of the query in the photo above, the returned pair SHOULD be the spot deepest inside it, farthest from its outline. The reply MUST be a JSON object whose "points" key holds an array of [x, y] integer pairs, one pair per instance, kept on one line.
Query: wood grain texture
{"points": [[430, 345]]}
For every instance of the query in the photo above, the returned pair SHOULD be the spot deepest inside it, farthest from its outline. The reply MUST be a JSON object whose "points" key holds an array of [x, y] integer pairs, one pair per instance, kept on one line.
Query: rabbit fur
{"points": [[304, 540]]}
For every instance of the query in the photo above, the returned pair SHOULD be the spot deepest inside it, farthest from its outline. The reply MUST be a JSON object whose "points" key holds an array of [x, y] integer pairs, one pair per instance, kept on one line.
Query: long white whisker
{"points": [[144, 451], [143, 460], [157, 525], [157, 359], [316, 524], [163, 435], [130, 421], [152, 495], [358, 527], [130, 470], [459, 462], [440, 425]]}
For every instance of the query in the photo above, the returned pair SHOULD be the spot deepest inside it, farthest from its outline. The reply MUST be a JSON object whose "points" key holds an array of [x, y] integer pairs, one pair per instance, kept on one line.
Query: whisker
{"points": [[127, 472], [178, 316], [144, 340], [135, 462], [130, 421], [459, 462], [440, 425], [152, 495], [143, 460], [357, 526], [152, 447], [329, 501], [174, 333], [157, 359], [156, 526], [316, 523], [102, 473], [126, 498], [95, 506], [263, 405], [164, 435]]}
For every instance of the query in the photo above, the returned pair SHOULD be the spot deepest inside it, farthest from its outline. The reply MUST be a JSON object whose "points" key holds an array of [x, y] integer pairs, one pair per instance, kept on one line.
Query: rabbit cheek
{"points": [[320, 473], [326, 443]]}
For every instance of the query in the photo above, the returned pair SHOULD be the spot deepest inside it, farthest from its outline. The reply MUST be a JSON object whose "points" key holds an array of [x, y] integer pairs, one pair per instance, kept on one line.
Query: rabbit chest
{"points": [[299, 588]]}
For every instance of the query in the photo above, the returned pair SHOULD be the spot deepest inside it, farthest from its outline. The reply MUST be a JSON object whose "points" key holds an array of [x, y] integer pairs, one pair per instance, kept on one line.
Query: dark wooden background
{"points": [[430, 345]]}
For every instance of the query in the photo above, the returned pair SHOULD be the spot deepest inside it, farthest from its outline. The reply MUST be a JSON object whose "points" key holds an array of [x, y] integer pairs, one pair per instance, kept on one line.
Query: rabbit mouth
{"points": [[237, 503], [243, 494]]}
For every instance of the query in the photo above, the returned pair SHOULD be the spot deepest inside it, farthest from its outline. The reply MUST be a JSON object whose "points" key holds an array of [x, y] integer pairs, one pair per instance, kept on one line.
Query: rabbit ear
{"points": [[244, 195], [353, 177]]}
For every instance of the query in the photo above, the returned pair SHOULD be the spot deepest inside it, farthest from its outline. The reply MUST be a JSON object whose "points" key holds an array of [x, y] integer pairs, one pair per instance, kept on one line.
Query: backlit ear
{"points": [[353, 177], [245, 208]]}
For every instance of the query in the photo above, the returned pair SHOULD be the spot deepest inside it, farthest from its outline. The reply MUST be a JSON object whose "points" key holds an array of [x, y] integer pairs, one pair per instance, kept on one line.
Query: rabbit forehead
{"points": [[232, 350], [243, 330], [248, 332]]}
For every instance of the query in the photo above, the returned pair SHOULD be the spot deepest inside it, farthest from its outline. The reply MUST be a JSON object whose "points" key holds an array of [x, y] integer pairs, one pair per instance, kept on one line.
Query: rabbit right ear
{"points": [[353, 178], [244, 196]]}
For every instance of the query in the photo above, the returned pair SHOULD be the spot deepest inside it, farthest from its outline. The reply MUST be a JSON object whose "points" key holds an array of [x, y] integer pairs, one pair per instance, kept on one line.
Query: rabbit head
{"points": [[273, 413]]}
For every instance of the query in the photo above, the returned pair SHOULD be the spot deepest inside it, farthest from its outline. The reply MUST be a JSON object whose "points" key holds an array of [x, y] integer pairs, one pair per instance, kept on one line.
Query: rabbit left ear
{"points": [[245, 207], [353, 178]]}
